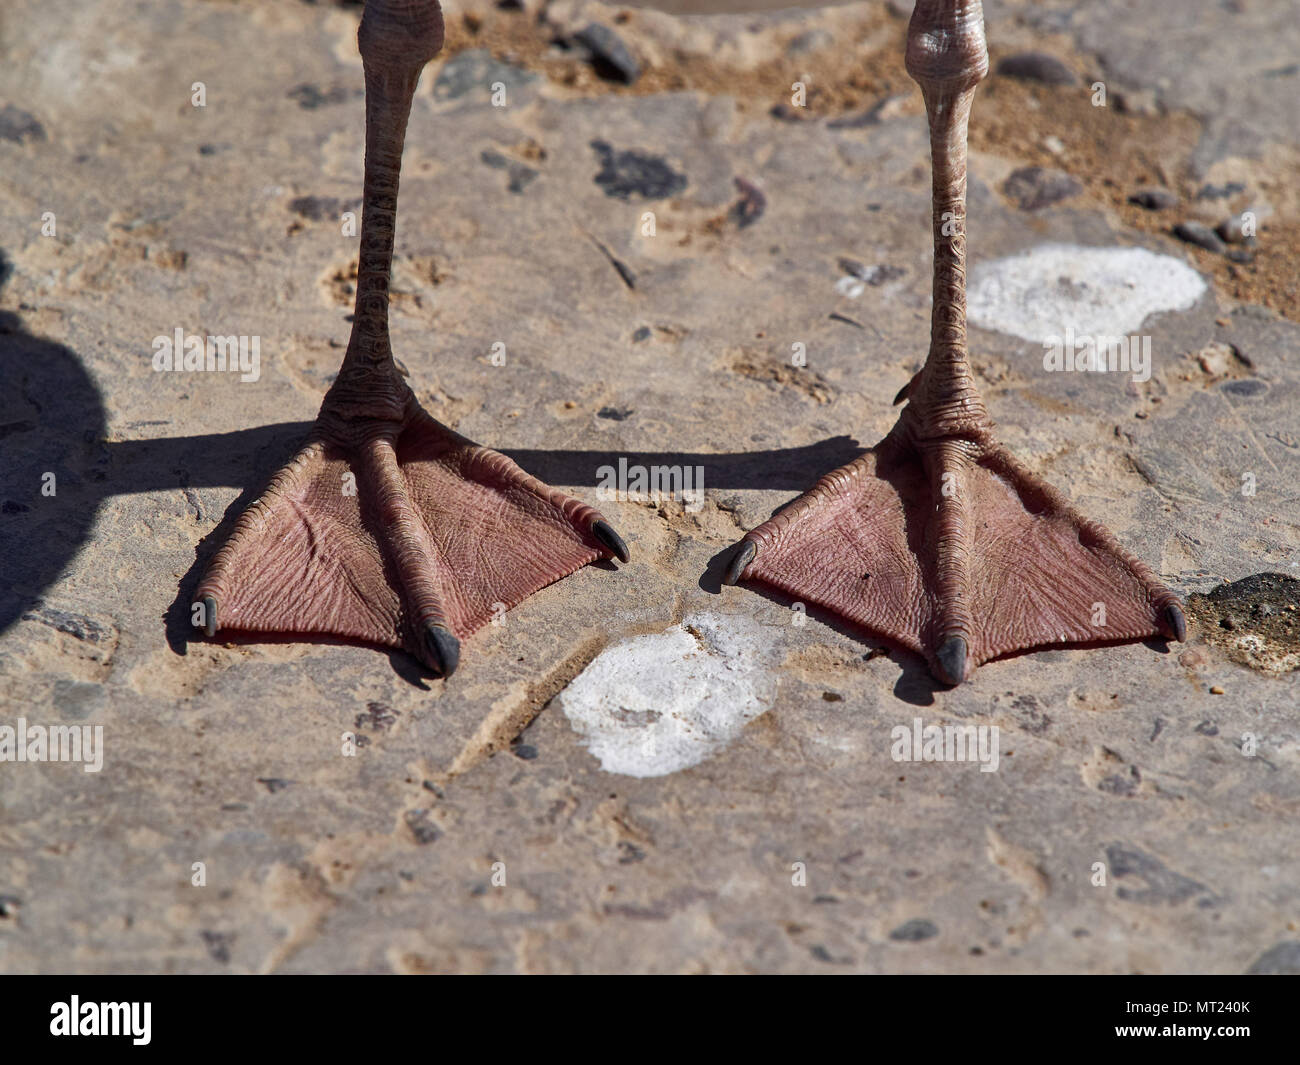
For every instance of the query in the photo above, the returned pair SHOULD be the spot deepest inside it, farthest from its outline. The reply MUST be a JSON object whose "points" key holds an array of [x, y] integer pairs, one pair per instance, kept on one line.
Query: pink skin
{"points": [[438, 533], [937, 539]]}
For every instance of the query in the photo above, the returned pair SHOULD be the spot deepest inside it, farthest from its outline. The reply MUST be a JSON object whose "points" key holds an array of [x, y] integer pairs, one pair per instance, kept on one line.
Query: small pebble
{"points": [[1154, 198], [1216, 690], [1200, 235], [1216, 359], [1233, 231], [1036, 66], [609, 55]]}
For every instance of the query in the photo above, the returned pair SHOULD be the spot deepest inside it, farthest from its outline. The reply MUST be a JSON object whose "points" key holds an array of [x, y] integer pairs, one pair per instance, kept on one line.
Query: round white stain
{"points": [[653, 705], [1094, 291]]}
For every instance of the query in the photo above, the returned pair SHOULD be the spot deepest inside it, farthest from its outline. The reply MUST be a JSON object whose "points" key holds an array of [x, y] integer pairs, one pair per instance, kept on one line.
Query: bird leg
{"points": [[387, 527], [937, 538]]}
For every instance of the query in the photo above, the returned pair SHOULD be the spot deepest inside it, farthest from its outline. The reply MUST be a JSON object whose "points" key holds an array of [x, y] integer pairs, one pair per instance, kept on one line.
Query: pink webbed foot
{"points": [[961, 556], [412, 537]]}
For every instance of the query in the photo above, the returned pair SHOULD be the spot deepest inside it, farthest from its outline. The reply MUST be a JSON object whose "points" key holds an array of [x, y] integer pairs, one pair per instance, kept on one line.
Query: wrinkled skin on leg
{"points": [[388, 527], [938, 539]]}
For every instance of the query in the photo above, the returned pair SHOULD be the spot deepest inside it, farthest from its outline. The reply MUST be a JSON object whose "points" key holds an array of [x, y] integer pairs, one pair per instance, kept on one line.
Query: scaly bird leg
{"points": [[938, 539], [388, 527]]}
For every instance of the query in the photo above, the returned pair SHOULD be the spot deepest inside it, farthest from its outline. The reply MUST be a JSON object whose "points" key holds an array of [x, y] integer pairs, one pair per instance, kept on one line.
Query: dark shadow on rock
{"points": [[779, 469], [711, 579], [52, 427], [227, 459]]}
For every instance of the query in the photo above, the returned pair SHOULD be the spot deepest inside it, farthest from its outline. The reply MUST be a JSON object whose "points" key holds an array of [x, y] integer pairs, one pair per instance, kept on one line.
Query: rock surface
{"points": [[285, 806]]}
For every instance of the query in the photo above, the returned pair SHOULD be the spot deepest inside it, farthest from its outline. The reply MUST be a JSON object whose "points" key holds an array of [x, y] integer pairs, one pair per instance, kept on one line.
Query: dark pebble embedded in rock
{"points": [[610, 57], [641, 334], [422, 828], [627, 173], [914, 931], [1154, 198], [1035, 66], [1200, 235], [19, 126], [1245, 388], [1035, 187]]}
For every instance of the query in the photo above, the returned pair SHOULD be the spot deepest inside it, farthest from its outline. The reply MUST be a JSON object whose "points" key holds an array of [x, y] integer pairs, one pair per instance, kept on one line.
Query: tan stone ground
{"points": [[800, 846]]}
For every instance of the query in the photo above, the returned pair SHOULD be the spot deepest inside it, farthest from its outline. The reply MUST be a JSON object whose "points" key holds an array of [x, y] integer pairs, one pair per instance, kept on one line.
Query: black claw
{"points": [[743, 557], [906, 390], [443, 648], [209, 615], [1175, 620], [604, 532], [951, 657]]}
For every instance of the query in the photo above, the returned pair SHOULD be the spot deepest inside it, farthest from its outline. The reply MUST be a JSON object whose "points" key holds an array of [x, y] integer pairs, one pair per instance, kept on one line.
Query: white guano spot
{"points": [[653, 705], [1094, 291]]}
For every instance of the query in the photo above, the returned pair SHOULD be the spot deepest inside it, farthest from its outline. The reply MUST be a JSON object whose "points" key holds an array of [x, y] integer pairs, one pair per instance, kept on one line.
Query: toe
{"points": [[951, 659], [744, 555], [209, 615], [442, 649], [604, 532], [1175, 622]]}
